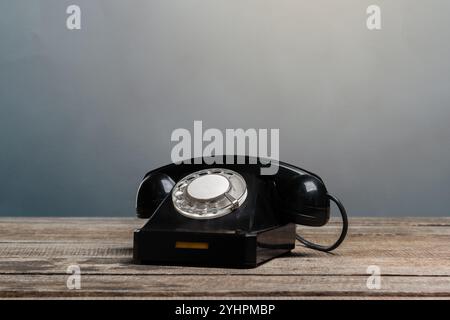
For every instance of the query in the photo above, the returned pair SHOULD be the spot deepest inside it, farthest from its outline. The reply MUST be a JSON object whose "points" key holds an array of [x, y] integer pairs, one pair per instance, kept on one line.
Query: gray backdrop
{"points": [[84, 114]]}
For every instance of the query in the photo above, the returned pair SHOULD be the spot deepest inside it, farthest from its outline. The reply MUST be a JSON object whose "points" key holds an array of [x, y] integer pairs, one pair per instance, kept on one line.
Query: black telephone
{"points": [[204, 213]]}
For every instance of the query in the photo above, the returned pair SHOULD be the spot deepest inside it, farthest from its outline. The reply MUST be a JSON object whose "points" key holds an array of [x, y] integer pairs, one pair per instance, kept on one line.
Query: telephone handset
{"points": [[201, 212]]}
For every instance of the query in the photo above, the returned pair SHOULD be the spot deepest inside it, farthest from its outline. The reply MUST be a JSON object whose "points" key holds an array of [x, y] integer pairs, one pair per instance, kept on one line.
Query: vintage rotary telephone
{"points": [[228, 214]]}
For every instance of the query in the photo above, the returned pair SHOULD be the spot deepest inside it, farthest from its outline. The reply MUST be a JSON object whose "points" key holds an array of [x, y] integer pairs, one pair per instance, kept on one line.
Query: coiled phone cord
{"points": [[315, 246]]}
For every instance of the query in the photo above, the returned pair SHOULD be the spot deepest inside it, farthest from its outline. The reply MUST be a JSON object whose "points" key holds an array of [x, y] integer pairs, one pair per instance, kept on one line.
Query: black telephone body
{"points": [[227, 215]]}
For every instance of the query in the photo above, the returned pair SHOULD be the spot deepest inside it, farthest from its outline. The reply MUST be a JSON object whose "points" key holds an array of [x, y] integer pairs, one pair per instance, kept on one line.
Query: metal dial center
{"points": [[208, 187]]}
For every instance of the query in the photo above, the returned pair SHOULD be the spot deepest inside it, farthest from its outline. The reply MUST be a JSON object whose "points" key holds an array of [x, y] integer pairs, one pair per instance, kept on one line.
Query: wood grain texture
{"points": [[413, 255]]}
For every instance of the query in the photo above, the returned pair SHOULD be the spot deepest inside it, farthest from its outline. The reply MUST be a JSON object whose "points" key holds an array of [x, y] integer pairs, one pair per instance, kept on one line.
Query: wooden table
{"points": [[413, 256]]}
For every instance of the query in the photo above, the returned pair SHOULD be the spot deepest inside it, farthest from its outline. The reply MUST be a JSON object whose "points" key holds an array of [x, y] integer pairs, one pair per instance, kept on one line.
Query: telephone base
{"points": [[238, 249]]}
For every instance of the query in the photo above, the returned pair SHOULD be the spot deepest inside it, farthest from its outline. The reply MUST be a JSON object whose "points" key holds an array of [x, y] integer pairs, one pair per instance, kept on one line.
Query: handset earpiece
{"points": [[153, 190], [306, 201]]}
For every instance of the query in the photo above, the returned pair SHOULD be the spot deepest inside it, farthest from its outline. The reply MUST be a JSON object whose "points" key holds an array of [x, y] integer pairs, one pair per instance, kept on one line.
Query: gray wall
{"points": [[84, 114]]}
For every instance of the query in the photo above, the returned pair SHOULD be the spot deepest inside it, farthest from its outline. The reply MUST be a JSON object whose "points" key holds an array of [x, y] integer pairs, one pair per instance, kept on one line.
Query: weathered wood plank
{"points": [[224, 285], [120, 229], [280, 266], [413, 254]]}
